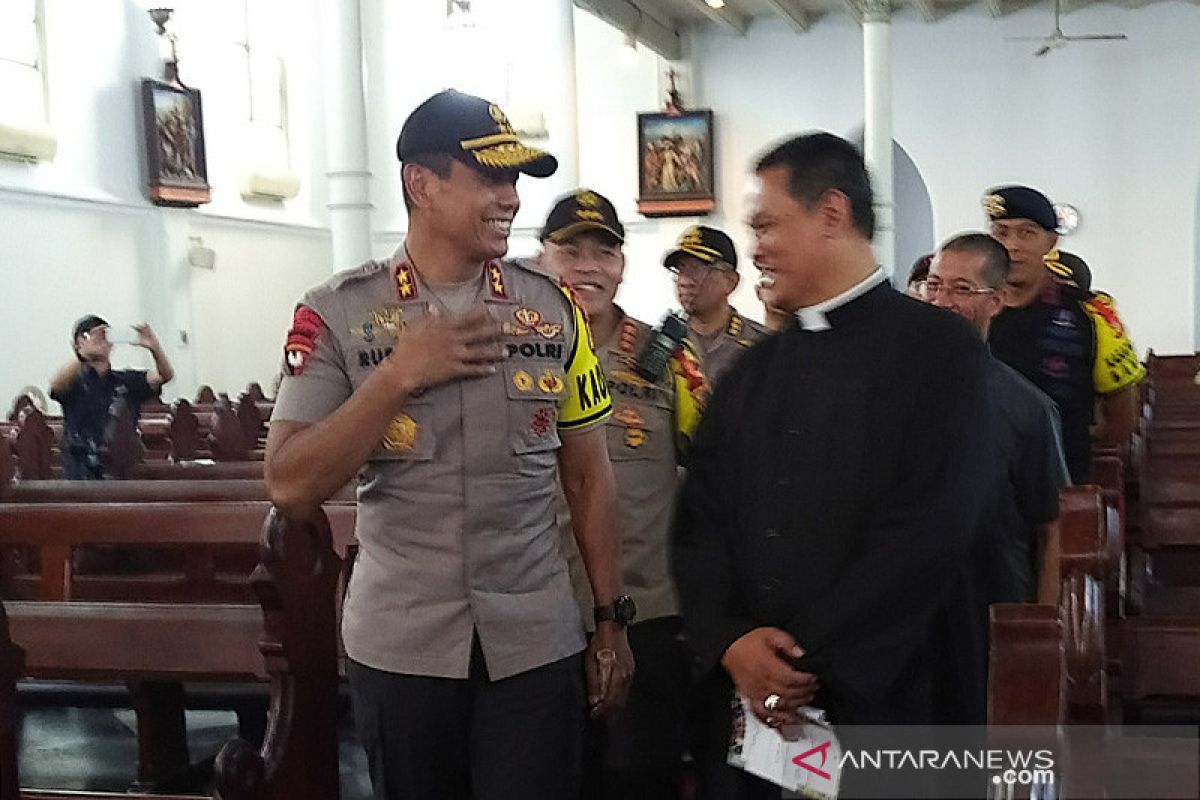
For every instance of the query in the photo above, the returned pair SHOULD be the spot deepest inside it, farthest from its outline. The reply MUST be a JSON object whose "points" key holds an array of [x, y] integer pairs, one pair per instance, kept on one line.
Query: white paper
{"points": [[803, 758]]}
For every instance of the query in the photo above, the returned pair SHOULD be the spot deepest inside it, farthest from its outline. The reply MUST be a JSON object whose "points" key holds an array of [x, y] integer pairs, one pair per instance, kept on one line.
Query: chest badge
{"points": [[541, 422], [401, 434], [387, 320], [529, 322], [523, 381], [550, 383]]}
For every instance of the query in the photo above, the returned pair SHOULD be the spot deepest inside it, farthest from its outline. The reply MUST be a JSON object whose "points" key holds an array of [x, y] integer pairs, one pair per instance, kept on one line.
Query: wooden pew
{"points": [[292, 641], [1047, 659]]}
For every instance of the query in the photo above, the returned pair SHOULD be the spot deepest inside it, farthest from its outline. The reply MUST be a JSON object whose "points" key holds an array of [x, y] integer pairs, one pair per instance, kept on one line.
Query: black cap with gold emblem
{"points": [[472, 130], [579, 211], [1020, 202], [710, 245]]}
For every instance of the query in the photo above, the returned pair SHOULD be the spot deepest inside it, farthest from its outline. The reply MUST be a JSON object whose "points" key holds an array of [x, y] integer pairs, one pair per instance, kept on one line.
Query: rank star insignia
{"points": [[401, 434], [406, 282], [496, 282], [550, 383], [523, 381], [541, 421]]}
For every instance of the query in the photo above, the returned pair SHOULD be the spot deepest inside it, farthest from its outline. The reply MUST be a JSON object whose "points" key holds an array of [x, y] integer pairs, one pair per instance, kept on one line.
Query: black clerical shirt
{"points": [[837, 480]]}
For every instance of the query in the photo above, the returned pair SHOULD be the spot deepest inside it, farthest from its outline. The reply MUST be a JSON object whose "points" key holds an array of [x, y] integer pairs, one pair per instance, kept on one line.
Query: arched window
{"points": [[262, 78], [23, 64]]}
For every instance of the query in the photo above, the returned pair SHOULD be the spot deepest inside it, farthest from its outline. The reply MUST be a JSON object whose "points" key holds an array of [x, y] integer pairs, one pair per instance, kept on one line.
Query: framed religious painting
{"points": [[675, 163], [173, 122]]}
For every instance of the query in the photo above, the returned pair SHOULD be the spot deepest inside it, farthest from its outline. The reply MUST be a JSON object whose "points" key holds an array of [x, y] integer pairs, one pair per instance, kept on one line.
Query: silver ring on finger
{"points": [[772, 702]]}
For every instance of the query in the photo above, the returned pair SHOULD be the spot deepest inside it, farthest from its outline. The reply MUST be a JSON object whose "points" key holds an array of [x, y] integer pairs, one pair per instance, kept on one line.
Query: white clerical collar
{"points": [[812, 318]]}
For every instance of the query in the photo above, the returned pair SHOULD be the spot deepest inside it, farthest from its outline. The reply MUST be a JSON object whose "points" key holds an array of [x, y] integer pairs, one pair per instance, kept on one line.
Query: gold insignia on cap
{"points": [[691, 237], [993, 205], [502, 123], [583, 213], [401, 434], [587, 198]]}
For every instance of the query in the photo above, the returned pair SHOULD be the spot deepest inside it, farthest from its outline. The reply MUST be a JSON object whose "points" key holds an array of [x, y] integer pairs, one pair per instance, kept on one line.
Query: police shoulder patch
{"points": [[307, 325]]}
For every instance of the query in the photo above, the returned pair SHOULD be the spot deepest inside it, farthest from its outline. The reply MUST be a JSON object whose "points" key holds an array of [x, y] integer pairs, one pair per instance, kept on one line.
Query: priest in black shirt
{"points": [[823, 532]]}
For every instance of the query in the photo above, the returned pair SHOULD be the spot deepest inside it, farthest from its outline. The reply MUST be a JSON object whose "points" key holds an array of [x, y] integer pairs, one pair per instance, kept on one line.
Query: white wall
{"points": [[77, 234], [1110, 128]]}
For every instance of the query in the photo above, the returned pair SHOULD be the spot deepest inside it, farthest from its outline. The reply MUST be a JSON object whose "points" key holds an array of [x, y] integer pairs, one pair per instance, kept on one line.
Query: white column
{"points": [[346, 133], [559, 93], [877, 133]]}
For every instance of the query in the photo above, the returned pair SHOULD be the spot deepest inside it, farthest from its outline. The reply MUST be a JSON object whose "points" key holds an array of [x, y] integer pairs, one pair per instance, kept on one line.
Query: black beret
{"points": [[1020, 202]]}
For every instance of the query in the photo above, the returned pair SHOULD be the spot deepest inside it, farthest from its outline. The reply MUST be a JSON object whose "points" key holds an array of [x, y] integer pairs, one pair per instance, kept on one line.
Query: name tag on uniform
{"points": [[805, 758]]}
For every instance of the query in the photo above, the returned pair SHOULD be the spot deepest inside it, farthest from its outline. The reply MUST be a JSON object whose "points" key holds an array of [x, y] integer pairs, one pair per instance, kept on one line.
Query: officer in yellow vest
{"points": [[705, 266], [1066, 339], [638, 752], [459, 387]]}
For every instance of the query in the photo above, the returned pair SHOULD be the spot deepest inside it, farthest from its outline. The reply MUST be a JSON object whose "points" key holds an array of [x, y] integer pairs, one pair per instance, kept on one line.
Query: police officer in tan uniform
{"points": [[705, 266], [637, 753], [458, 387]]}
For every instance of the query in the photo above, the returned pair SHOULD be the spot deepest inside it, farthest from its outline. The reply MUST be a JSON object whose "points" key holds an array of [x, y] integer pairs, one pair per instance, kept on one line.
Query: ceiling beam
{"points": [[631, 19], [793, 12], [927, 8], [854, 10], [726, 16]]}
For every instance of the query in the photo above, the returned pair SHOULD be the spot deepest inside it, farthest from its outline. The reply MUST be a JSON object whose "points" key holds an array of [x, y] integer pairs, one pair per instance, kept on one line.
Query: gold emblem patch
{"points": [[523, 381], [993, 205], [634, 438], [385, 319], [550, 383], [629, 418], [401, 434], [587, 198]]}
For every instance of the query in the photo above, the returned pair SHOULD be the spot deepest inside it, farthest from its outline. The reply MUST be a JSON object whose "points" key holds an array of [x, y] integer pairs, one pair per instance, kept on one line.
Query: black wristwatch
{"points": [[621, 611]]}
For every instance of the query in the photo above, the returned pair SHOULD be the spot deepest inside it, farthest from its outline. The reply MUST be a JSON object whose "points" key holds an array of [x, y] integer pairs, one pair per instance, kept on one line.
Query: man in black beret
{"points": [[1067, 340]]}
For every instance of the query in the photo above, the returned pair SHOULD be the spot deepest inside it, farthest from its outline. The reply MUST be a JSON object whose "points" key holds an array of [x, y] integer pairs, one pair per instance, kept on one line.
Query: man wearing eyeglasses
{"points": [[705, 265], [1067, 340], [967, 276]]}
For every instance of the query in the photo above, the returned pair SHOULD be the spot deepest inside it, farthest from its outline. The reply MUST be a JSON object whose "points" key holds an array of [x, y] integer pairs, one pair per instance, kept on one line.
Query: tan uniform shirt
{"points": [[718, 352], [456, 505], [648, 434]]}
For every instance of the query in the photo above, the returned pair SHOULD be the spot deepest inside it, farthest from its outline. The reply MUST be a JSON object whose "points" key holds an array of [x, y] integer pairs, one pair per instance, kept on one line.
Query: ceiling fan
{"points": [[1059, 39]]}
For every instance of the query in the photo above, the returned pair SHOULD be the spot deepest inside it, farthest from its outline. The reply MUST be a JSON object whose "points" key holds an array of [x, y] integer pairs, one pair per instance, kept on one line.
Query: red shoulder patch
{"points": [[689, 368], [301, 339], [1102, 308]]}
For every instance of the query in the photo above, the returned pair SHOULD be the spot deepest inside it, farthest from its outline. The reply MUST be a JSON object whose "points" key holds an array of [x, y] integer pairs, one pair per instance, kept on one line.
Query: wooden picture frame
{"points": [[173, 123], [675, 163]]}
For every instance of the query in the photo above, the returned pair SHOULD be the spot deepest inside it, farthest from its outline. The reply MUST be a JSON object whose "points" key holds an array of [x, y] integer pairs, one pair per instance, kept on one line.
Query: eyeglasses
{"points": [[931, 289]]}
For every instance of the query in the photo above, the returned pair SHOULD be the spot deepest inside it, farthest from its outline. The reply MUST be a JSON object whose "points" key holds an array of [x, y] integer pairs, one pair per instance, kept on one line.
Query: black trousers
{"points": [[519, 738], [637, 754]]}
